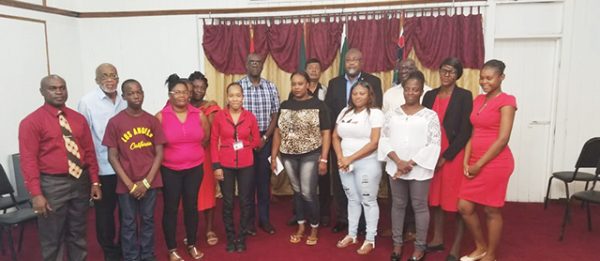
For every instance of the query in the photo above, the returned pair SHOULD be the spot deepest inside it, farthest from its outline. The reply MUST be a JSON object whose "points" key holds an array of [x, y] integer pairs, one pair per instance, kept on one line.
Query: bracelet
{"points": [[146, 183], [97, 184], [133, 188], [323, 160], [264, 137]]}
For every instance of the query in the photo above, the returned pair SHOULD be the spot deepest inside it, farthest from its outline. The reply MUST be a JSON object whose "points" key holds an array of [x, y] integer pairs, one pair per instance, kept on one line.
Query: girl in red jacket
{"points": [[234, 136]]}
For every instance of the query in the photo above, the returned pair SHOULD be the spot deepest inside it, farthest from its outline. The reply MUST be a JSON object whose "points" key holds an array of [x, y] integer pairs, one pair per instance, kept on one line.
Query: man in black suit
{"points": [[337, 96]]}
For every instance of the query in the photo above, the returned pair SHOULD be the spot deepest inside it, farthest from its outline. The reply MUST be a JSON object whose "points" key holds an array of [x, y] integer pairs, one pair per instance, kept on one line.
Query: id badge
{"points": [[238, 145]]}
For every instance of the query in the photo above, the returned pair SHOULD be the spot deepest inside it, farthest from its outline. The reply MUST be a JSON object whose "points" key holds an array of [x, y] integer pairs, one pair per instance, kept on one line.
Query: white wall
{"points": [[23, 63], [150, 48], [579, 92]]}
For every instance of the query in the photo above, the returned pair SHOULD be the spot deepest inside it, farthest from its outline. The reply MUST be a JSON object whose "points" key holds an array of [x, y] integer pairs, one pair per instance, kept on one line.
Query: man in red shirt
{"points": [[59, 166]]}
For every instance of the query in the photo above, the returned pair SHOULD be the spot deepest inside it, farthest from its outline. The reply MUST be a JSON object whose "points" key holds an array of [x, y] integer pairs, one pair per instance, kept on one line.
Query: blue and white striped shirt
{"points": [[262, 100]]}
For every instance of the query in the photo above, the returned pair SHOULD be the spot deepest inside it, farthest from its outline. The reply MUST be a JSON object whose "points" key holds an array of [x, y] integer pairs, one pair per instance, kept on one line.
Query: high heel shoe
{"points": [[194, 253], [395, 256], [174, 256]]}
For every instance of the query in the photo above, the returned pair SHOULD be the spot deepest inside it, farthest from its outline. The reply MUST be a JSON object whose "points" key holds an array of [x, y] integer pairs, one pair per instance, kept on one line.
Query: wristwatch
{"points": [[265, 138]]}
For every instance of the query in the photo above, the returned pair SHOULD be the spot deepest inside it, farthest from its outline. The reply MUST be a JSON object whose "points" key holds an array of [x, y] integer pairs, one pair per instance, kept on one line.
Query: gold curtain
{"points": [[468, 81], [218, 81]]}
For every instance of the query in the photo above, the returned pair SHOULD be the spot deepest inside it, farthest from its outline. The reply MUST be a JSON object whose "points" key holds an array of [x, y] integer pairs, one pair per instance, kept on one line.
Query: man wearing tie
{"points": [[60, 170], [336, 99]]}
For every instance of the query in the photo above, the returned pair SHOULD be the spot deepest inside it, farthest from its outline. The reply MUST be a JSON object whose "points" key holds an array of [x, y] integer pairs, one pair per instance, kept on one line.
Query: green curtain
{"points": [[302, 55]]}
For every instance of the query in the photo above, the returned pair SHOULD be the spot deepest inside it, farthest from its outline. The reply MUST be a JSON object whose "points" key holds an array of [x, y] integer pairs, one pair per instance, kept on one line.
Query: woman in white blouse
{"points": [[355, 141], [410, 146]]}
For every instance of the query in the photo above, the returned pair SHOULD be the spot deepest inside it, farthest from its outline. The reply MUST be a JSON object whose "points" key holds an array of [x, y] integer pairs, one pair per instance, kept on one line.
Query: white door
{"points": [[531, 76]]}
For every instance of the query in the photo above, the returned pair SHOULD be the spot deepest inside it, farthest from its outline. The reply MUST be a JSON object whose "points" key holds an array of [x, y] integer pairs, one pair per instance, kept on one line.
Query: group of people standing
{"points": [[441, 149]]}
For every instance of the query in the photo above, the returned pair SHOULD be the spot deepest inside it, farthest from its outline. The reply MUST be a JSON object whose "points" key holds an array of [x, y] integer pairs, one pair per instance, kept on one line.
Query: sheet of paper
{"points": [[279, 168]]}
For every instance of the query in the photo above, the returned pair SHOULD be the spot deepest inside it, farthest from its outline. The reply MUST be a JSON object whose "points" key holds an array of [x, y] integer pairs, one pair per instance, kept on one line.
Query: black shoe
{"points": [[339, 227], [268, 228], [292, 221], [395, 257], [250, 232], [240, 246], [325, 220], [230, 247], [435, 248]]}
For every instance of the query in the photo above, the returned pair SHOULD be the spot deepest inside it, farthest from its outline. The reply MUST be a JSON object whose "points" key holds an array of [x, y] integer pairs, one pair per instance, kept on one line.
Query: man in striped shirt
{"points": [[262, 99]]}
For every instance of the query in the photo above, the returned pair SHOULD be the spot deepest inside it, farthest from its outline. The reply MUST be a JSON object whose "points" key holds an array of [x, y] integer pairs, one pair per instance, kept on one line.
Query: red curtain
{"points": [[284, 45], [226, 47], [260, 39], [323, 41], [436, 38], [377, 40]]}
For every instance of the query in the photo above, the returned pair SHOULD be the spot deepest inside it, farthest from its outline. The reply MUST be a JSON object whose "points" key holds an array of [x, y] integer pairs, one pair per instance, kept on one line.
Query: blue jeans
{"points": [[361, 186], [132, 248], [303, 174]]}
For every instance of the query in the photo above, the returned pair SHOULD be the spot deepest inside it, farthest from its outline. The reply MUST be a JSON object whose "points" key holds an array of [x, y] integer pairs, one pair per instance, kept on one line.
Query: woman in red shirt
{"points": [[234, 136]]}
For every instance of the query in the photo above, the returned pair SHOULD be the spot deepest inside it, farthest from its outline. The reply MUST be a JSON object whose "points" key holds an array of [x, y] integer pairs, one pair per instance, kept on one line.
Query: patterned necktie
{"points": [[73, 156]]}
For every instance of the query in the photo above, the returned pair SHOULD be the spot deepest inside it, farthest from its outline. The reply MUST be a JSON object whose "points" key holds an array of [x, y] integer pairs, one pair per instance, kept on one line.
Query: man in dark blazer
{"points": [[337, 96]]}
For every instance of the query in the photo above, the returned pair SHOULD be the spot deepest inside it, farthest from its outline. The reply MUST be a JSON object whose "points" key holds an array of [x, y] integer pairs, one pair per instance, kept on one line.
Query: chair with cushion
{"points": [[588, 158], [18, 217], [586, 197]]}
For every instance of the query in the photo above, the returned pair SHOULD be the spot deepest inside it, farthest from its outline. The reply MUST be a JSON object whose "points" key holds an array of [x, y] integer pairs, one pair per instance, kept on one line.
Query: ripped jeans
{"points": [[361, 186]]}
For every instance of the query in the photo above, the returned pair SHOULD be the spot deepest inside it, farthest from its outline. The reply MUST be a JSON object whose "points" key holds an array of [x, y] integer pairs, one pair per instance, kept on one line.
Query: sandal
{"points": [[194, 253], [366, 247], [346, 241], [313, 238], [211, 238], [295, 238]]}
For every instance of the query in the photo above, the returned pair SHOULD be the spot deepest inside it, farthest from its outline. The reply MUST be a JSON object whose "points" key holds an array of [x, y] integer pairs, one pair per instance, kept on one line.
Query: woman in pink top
{"points": [[187, 132]]}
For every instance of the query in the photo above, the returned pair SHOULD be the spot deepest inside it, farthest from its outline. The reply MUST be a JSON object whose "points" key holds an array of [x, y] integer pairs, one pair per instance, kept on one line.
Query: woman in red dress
{"points": [[488, 161], [206, 194], [453, 105]]}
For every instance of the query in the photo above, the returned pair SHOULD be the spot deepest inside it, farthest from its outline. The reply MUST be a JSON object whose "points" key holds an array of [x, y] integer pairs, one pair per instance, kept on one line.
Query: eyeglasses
{"points": [[447, 72], [352, 59], [106, 76], [176, 93], [254, 62]]}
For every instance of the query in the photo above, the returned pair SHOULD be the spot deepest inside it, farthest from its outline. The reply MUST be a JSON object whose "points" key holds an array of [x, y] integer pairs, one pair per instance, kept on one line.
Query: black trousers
{"points": [[105, 219], [325, 193], [180, 185], [245, 180], [65, 226]]}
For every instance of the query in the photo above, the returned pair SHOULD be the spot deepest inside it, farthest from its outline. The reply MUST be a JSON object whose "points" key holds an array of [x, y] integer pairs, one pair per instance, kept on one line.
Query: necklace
{"points": [[486, 102]]}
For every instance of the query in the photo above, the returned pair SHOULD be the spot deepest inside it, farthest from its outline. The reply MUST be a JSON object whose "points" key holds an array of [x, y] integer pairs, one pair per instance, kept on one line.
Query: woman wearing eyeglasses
{"points": [[355, 141], [453, 106], [187, 132]]}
